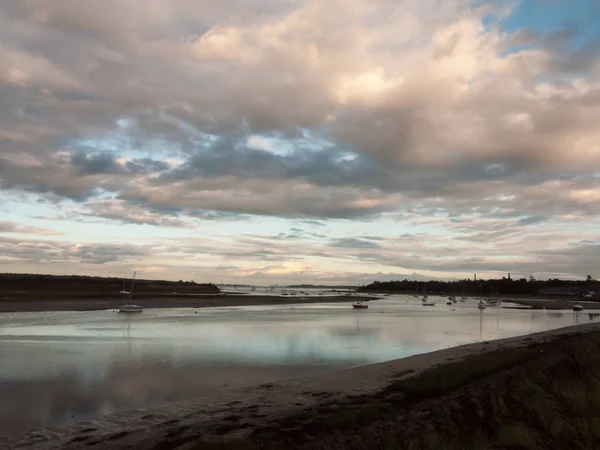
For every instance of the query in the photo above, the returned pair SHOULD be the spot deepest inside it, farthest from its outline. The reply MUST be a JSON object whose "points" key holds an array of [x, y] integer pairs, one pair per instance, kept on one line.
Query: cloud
{"points": [[354, 243], [12, 227], [182, 112]]}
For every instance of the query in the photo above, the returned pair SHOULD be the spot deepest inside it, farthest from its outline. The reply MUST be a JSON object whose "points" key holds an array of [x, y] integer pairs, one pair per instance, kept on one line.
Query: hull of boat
{"points": [[124, 310], [360, 306]]}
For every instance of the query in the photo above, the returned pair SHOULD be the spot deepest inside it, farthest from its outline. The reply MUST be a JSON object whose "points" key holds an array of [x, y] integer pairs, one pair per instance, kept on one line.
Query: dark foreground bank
{"points": [[540, 396]]}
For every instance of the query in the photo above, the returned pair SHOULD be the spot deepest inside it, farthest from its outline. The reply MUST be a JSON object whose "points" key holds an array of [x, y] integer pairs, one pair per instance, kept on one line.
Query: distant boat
{"points": [[493, 302], [481, 304], [124, 291], [130, 309], [359, 305], [427, 302], [577, 308], [452, 299]]}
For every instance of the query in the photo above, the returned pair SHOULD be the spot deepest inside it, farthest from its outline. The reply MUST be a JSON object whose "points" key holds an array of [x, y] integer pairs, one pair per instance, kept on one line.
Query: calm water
{"points": [[62, 367]]}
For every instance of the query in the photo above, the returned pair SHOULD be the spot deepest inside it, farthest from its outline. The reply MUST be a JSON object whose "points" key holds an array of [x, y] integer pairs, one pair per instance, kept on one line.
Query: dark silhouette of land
{"points": [[32, 292], [508, 287]]}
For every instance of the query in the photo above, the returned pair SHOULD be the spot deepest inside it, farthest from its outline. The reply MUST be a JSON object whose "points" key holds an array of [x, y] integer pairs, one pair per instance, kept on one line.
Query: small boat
{"points": [[427, 302], [130, 309], [577, 308], [359, 305], [452, 299], [449, 303], [481, 304], [493, 302]]}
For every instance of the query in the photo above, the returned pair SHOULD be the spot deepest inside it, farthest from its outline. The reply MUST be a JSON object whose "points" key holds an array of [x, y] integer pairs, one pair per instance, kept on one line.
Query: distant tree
{"points": [[589, 279], [531, 279]]}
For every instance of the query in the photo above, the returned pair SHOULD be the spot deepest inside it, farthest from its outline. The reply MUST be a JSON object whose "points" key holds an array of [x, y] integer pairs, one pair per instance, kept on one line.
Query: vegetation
{"points": [[25, 286], [503, 286]]}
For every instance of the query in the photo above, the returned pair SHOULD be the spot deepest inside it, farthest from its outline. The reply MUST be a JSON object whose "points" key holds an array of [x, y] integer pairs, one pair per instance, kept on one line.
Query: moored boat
{"points": [[427, 302], [577, 308], [130, 309]]}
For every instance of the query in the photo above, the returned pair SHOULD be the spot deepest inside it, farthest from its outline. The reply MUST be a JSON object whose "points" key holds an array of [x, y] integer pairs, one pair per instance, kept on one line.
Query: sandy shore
{"points": [[203, 301], [234, 414]]}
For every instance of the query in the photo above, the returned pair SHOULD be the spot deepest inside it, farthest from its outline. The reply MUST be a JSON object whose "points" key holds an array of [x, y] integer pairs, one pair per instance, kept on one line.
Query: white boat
{"points": [[481, 304], [452, 299], [130, 309], [124, 291], [493, 302], [427, 302], [577, 308]]}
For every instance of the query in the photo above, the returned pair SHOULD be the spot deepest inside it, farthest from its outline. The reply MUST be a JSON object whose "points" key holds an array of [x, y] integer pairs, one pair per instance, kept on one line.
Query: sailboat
{"points": [[124, 291], [417, 293], [462, 295], [360, 305], [426, 301], [130, 307]]}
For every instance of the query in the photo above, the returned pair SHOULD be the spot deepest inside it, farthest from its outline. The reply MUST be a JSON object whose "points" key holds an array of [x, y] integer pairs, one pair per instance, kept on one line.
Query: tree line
{"points": [[502, 286]]}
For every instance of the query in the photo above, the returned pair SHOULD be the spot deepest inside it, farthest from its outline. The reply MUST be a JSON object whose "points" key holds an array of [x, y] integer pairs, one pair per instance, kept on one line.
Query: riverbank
{"points": [[551, 304], [173, 301], [485, 395]]}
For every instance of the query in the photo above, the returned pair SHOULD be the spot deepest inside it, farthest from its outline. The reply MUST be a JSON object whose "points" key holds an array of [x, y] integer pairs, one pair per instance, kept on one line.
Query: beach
{"points": [[321, 411]]}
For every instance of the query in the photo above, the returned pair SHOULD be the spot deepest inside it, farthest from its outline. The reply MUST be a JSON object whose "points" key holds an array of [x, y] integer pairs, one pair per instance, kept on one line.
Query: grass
{"points": [[537, 397]]}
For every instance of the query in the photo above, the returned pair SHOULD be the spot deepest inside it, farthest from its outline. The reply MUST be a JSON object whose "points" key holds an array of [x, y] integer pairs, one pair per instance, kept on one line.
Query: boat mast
{"points": [[132, 284]]}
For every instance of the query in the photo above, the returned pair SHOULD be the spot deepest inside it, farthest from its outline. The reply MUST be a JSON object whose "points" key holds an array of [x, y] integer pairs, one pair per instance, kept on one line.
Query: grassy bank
{"points": [[541, 396]]}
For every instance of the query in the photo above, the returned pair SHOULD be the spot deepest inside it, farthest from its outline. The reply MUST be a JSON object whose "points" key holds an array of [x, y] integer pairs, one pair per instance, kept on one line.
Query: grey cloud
{"points": [[14, 227], [94, 163], [354, 243], [125, 213], [102, 254]]}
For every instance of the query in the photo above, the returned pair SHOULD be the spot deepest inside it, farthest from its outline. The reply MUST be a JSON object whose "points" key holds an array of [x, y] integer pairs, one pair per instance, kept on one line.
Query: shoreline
{"points": [[181, 301], [554, 305], [233, 415]]}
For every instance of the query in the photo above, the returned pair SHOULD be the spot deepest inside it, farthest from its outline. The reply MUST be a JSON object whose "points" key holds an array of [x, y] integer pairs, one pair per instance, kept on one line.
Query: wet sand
{"points": [[551, 304], [234, 415], [187, 301]]}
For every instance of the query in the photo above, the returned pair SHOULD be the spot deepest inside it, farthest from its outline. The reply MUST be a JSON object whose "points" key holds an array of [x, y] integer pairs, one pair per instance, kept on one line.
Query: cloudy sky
{"points": [[313, 141]]}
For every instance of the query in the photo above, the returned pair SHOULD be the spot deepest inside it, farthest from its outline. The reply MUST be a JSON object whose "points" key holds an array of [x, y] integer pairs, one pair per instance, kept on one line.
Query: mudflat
{"points": [[527, 392]]}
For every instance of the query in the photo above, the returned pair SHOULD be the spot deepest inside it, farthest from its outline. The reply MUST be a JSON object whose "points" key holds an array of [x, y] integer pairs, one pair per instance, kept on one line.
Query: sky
{"points": [[300, 141]]}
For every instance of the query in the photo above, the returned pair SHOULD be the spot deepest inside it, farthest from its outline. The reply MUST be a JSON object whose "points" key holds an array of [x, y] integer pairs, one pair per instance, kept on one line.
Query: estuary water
{"points": [[58, 368]]}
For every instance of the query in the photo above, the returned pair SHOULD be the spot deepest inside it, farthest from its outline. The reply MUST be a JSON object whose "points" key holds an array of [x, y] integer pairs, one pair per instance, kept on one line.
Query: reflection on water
{"points": [[58, 368]]}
